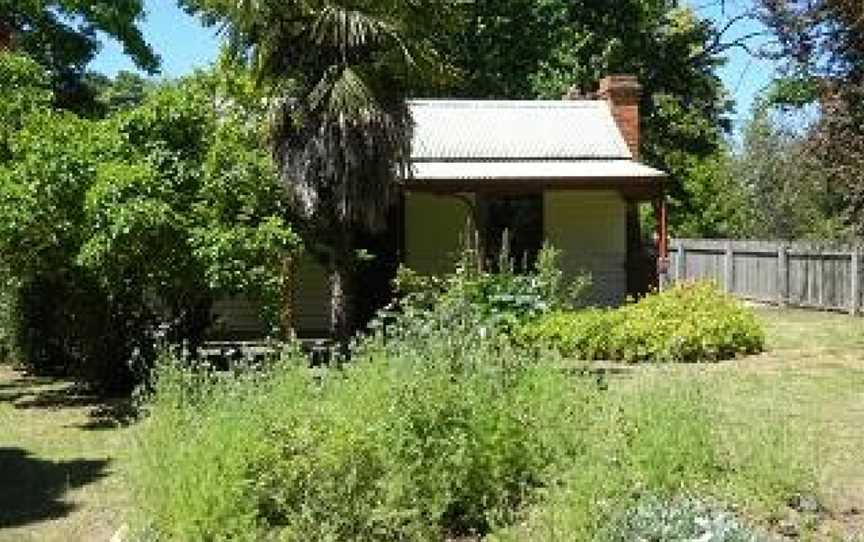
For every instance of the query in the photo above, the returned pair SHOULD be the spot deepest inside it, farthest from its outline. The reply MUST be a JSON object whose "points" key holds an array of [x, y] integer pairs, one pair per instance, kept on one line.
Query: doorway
{"points": [[520, 217]]}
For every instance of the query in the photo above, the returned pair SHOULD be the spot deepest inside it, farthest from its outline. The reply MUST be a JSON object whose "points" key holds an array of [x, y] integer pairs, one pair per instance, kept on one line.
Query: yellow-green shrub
{"points": [[687, 323]]}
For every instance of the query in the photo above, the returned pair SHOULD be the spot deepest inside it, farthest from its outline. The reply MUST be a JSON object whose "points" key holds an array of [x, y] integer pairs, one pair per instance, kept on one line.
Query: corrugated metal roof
{"points": [[451, 130], [533, 169]]}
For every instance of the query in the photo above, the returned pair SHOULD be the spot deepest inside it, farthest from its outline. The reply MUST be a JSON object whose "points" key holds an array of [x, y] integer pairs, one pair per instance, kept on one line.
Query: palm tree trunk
{"points": [[5, 35], [342, 324]]}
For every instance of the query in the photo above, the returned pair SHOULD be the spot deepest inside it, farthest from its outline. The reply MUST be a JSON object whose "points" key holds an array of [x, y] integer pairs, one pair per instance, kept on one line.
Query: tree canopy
{"points": [[114, 228], [63, 37], [822, 46]]}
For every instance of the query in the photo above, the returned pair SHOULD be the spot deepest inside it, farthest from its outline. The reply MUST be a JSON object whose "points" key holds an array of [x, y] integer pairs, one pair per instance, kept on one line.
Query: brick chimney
{"points": [[623, 92]]}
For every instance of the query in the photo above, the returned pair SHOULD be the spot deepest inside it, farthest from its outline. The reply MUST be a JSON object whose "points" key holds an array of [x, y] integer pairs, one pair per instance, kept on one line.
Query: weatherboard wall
{"points": [[590, 228]]}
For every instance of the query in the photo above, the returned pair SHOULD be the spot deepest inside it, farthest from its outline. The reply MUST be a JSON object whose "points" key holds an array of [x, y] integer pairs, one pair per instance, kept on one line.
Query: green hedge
{"points": [[687, 323]]}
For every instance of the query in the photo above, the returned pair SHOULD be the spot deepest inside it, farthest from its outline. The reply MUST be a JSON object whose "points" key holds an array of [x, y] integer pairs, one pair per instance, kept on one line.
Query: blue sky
{"points": [[182, 42], [185, 45]]}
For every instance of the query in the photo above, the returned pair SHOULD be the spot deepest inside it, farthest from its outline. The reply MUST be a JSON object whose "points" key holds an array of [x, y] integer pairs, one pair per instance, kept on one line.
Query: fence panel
{"points": [[798, 274]]}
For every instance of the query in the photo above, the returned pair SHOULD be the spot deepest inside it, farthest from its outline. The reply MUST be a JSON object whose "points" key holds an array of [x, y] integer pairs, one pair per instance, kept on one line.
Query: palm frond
{"points": [[343, 159], [345, 29]]}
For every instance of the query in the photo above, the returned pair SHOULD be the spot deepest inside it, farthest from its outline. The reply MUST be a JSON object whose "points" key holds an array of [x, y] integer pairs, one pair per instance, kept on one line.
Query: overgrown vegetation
{"points": [[472, 306], [439, 425], [791, 416], [687, 323], [395, 448]]}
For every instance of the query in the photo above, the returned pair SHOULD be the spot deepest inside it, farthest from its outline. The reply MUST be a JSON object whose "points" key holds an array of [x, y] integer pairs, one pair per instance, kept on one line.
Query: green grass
{"points": [[810, 383], [60, 462], [794, 416]]}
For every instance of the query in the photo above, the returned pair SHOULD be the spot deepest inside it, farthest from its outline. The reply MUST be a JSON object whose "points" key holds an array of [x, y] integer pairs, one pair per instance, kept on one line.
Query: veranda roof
{"points": [[534, 169], [520, 140]]}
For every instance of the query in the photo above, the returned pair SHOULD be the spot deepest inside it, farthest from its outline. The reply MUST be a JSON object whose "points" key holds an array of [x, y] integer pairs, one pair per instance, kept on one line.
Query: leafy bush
{"points": [[8, 324], [116, 229], [468, 316], [502, 294], [688, 322]]}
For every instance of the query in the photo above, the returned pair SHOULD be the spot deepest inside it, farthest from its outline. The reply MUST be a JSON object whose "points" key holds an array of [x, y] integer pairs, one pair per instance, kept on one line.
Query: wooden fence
{"points": [[797, 274]]}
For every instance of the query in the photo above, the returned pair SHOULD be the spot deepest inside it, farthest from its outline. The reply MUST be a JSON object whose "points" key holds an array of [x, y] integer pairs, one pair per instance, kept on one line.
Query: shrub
{"points": [[687, 323], [468, 316], [8, 331], [679, 519], [117, 230]]}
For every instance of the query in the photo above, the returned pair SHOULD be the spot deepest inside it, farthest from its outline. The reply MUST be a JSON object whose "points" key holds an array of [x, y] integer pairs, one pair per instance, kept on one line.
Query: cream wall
{"points": [[590, 228], [240, 317], [311, 297], [434, 230]]}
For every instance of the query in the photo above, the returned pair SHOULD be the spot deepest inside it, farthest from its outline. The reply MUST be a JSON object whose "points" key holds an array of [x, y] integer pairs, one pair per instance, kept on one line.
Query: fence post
{"points": [[855, 288], [820, 277], [681, 263], [729, 267], [783, 274]]}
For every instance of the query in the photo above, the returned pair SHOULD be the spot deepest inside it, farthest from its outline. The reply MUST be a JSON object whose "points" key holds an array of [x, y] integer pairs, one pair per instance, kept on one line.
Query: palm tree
{"points": [[341, 130]]}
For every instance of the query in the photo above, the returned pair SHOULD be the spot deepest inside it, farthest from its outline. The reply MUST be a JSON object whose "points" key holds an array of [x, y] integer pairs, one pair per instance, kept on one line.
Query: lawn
{"points": [[62, 453], [811, 382], [61, 457]]}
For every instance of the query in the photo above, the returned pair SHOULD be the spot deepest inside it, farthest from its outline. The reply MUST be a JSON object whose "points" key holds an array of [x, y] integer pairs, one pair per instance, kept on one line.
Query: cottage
{"points": [[564, 171]]}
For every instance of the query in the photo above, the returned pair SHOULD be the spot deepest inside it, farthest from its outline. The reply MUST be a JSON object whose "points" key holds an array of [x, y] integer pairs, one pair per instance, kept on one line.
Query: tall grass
{"points": [[382, 449], [389, 450], [661, 438], [440, 426]]}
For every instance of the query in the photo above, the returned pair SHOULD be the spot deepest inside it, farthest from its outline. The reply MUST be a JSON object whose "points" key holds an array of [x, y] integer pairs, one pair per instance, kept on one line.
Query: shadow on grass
{"points": [[32, 489], [55, 394], [18, 388], [57, 398], [111, 415]]}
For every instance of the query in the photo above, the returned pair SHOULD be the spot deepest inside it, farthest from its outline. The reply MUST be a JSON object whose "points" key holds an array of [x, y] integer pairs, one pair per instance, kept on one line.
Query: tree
{"points": [[63, 37], [115, 228], [342, 130], [818, 37], [822, 43], [719, 199], [787, 196], [523, 49], [104, 96], [25, 88]]}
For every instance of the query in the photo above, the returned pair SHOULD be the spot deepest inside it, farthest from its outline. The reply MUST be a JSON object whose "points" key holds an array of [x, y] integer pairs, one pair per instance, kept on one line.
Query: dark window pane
{"points": [[522, 218]]}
